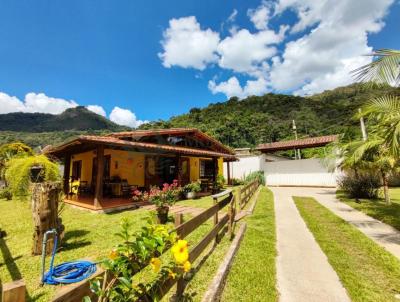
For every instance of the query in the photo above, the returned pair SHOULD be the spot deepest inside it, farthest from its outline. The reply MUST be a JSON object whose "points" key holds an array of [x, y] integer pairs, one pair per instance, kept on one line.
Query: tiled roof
{"points": [[298, 144], [114, 141], [172, 131]]}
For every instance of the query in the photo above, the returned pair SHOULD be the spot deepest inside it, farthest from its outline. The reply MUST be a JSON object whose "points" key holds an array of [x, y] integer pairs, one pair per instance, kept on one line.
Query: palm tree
{"points": [[384, 70], [371, 155]]}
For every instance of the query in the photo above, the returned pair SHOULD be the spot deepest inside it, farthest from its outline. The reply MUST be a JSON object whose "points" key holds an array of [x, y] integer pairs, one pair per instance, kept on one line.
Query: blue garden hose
{"points": [[67, 272]]}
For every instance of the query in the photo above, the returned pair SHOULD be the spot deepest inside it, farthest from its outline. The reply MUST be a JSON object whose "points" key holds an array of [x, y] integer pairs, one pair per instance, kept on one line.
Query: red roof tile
{"points": [[172, 131], [114, 141], [298, 144]]}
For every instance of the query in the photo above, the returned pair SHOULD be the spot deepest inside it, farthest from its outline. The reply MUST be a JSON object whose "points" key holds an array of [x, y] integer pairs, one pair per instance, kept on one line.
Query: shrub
{"points": [[256, 175], [194, 186], [18, 172], [364, 185], [237, 182], [5, 193], [219, 182]]}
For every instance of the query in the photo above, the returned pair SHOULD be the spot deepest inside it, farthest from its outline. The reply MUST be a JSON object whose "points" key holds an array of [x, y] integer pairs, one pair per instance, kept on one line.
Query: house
{"points": [[109, 167]]}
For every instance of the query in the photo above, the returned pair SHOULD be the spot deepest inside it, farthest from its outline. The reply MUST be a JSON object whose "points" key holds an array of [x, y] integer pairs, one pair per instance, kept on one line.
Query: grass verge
{"points": [[377, 208], [367, 271], [253, 274]]}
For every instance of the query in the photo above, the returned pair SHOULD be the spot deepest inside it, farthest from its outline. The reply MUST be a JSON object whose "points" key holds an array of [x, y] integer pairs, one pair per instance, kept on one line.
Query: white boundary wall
{"points": [[245, 165], [303, 172]]}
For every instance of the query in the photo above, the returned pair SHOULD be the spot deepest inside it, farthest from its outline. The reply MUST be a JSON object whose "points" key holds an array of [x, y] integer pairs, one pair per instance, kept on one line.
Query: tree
{"points": [[8, 151], [371, 155]]}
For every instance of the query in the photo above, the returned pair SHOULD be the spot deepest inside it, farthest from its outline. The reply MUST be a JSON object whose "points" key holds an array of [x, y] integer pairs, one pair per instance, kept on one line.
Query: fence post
{"points": [[239, 196], [231, 214], [178, 219], [14, 291], [180, 283]]}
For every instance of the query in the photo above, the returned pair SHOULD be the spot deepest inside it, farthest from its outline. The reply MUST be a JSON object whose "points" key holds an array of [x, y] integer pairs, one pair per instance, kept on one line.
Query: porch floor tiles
{"points": [[303, 271], [106, 204]]}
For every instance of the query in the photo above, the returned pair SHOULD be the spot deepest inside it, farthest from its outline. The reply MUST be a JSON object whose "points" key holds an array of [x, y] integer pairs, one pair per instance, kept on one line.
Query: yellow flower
{"points": [[172, 275], [113, 254], [155, 264], [180, 251], [187, 266]]}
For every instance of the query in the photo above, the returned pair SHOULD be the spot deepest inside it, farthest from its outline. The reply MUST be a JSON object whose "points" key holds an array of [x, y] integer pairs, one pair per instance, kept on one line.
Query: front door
{"points": [[185, 171]]}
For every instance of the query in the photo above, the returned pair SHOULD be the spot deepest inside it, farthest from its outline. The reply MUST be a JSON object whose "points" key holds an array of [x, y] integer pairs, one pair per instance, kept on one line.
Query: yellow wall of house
{"points": [[130, 166], [125, 164], [221, 166], [87, 162], [194, 168]]}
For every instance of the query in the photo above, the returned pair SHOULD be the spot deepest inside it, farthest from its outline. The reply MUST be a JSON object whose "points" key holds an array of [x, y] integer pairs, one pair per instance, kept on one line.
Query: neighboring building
{"points": [[110, 166], [282, 171]]}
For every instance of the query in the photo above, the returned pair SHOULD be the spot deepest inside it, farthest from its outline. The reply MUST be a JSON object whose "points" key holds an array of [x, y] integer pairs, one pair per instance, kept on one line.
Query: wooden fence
{"points": [[246, 192], [76, 292]]}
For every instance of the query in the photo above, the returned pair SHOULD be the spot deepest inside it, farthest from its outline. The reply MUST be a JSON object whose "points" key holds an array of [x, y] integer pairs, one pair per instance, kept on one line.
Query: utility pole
{"points": [[363, 129], [297, 154]]}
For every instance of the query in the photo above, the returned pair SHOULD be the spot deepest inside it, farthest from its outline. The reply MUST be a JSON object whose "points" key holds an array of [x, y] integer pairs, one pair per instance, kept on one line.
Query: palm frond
{"points": [[385, 69]]}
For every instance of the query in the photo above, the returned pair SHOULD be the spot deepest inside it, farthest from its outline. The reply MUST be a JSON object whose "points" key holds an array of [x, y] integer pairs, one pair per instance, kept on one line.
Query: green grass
{"points": [[87, 235], [377, 208], [253, 273], [366, 270]]}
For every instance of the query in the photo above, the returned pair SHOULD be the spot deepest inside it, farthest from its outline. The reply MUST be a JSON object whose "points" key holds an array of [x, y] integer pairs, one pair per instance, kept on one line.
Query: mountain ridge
{"points": [[236, 123]]}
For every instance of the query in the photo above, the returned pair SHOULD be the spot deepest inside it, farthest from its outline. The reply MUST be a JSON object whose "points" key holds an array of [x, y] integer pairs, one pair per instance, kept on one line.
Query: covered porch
{"points": [[106, 170]]}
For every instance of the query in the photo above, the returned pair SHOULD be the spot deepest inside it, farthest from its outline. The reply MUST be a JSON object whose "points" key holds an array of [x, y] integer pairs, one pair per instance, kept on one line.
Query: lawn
{"points": [[367, 271], [253, 274], [87, 235], [389, 214]]}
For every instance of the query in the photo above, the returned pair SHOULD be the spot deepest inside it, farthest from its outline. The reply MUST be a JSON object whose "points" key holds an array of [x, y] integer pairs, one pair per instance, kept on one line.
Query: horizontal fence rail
{"points": [[76, 292]]}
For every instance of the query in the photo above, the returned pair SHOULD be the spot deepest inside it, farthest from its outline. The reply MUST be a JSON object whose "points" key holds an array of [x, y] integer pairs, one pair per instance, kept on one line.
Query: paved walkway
{"points": [[303, 271], [383, 234]]}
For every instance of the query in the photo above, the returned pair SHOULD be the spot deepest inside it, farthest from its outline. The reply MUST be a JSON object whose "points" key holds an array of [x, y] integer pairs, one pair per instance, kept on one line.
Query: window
{"points": [[206, 168]]}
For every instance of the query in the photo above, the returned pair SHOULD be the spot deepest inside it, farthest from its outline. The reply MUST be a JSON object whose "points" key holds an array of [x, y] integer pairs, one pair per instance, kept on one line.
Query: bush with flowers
{"points": [[162, 198], [137, 251]]}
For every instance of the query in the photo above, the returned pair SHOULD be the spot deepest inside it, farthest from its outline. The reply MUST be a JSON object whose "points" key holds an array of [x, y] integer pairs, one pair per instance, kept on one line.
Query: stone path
{"points": [[383, 234], [303, 271], [179, 209]]}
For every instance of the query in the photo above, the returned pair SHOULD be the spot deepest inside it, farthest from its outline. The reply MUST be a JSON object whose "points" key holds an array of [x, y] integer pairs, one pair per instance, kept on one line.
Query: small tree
{"points": [[9, 151], [372, 155]]}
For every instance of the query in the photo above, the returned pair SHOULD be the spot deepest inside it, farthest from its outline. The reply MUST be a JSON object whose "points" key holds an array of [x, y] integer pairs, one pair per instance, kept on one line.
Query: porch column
{"points": [[98, 194], [228, 163], [67, 168]]}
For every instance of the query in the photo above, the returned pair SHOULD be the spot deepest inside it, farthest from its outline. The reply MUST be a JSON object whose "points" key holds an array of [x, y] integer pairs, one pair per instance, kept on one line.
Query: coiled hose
{"points": [[67, 272]]}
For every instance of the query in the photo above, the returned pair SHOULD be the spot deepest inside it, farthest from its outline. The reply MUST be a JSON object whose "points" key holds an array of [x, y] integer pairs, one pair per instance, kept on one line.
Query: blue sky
{"points": [[156, 60]]}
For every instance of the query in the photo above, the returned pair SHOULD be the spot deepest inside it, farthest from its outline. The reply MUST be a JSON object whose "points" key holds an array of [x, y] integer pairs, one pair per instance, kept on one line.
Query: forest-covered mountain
{"points": [[268, 118], [237, 123], [76, 119]]}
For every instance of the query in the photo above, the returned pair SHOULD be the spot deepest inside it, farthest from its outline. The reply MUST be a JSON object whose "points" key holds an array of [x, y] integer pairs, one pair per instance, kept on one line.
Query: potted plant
{"points": [[191, 189], [164, 198]]}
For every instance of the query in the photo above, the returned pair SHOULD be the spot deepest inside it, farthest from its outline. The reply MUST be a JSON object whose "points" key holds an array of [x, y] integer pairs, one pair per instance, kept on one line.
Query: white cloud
{"points": [[328, 41], [125, 117], [232, 16], [232, 87], [186, 45], [244, 51], [260, 16], [97, 109], [34, 102], [324, 58], [39, 102]]}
